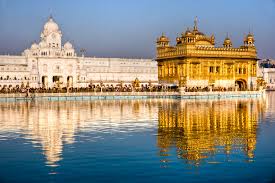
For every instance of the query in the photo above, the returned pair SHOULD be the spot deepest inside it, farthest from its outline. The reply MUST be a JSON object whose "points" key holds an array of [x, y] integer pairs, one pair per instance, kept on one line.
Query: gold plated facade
{"points": [[195, 61]]}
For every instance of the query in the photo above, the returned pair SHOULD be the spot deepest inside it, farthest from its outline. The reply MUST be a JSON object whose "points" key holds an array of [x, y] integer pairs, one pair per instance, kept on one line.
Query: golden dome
{"points": [[188, 32], [163, 38], [227, 41], [198, 33], [249, 37], [249, 40]]}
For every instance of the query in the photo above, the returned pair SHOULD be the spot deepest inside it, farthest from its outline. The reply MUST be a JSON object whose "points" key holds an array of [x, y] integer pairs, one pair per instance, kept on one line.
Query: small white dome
{"points": [[50, 26], [34, 46], [68, 45], [26, 51], [42, 44]]}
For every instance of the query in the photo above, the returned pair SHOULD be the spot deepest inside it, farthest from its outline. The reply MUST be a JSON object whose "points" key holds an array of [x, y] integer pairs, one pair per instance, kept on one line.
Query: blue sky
{"points": [[129, 28]]}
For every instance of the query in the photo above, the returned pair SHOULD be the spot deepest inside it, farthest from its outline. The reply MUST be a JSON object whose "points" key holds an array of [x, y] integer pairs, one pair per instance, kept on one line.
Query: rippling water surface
{"points": [[158, 140]]}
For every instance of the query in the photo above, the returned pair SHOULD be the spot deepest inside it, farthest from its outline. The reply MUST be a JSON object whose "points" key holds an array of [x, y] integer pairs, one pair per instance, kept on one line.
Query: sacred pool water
{"points": [[158, 140]]}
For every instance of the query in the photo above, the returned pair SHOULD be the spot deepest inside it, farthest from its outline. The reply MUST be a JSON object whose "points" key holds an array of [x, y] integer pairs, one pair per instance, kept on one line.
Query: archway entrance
{"points": [[241, 84], [69, 81], [44, 81], [58, 81]]}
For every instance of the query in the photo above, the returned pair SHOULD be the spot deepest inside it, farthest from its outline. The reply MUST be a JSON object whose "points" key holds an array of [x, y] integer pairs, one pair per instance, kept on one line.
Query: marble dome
{"points": [[68, 45], [50, 26], [34, 46]]}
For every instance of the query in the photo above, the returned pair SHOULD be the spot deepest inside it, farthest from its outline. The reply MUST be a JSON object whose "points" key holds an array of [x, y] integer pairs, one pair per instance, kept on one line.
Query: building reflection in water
{"points": [[195, 130], [51, 125]]}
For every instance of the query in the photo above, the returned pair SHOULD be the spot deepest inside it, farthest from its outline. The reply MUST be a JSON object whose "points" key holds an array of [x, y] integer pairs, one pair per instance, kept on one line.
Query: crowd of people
{"points": [[108, 88], [92, 88], [208, 89]]}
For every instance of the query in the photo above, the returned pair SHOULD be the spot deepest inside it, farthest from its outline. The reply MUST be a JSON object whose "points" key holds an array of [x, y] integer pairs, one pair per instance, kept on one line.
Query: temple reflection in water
{"points": [[51, 125], [193, 130], [199, 130]]}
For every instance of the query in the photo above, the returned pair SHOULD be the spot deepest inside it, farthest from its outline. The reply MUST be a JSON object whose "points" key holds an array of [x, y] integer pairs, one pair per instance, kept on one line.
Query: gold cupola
{"points": [[178, 40], [249, 40], [227, 42], [163, 41], [188, 32], [188, 37]]}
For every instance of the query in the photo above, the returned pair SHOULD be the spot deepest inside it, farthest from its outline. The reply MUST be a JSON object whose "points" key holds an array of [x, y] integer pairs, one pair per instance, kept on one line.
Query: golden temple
{"points": [[195, 61]]}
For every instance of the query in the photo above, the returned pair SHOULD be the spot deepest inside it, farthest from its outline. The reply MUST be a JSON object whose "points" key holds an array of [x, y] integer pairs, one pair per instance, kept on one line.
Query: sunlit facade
{"points": [[49, 62], [195, 61]]}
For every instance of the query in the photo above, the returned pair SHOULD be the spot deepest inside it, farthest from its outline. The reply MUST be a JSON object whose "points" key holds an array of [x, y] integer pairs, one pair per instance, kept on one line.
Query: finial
{"points": [[51, 14], [196, 23], [250, 31], [82, 51], [227, 35], [50, 17]]}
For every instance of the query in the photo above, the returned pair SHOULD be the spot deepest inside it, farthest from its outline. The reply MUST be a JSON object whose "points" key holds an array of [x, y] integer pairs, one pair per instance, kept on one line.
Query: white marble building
{"points": [[50, 62], [266, 71]]}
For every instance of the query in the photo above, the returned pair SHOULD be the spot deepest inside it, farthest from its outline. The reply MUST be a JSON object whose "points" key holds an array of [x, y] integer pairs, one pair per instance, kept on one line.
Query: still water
{"points": [[158, 140]]}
